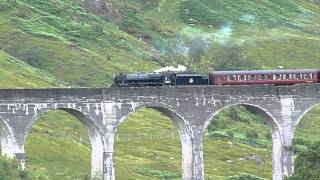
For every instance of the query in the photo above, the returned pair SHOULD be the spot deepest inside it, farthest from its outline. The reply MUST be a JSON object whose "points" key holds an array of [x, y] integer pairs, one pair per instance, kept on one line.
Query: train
{"points": [[243, 77]]}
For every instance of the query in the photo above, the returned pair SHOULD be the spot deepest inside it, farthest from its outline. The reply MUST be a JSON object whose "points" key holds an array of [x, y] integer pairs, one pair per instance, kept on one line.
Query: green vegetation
{"points": [[231, 57], [18, 74], [62, 38], [10, 170], [58, 146], [141, 152], [307, 163], [59, 44], [244, 177], [206, 12]]}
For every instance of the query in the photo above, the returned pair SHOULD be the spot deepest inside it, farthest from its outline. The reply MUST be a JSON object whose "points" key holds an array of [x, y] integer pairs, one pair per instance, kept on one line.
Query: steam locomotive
{"points": [[248, 77]]}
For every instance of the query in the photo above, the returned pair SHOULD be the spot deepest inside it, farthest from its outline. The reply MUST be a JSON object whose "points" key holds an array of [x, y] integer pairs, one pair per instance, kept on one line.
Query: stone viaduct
{"points": [[190, 108]]}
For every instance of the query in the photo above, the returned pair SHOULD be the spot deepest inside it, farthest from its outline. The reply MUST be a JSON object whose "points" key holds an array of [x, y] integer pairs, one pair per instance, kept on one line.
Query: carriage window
{"points": [[285, 76], [304, 76], [233, 77], [253, 77], [298, 76], [294, 76], [243, 77], [264, 77], [278, 77], [288, 76]]}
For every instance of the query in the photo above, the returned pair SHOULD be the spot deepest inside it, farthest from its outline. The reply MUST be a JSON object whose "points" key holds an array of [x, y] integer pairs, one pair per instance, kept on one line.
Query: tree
{"points": [[231, 57], [307, 164]]}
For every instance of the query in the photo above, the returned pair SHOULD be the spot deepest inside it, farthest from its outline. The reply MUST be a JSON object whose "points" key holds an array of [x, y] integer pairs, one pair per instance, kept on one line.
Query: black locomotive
{"points": [[159, 79]]}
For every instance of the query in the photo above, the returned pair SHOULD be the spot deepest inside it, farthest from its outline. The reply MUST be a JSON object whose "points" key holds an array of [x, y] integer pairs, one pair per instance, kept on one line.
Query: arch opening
{"points": [[238, 140], [305, 141], [147, 145], [59, 144]]}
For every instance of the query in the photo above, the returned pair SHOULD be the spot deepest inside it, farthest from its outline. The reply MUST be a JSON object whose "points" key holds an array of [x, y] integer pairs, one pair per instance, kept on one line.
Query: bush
{"points": [[231, 57], [157, 173], [234, 113], [213, 125], [252, 136], [268, 135], [9, 169], [230, 133], [245, 176], [219, 135], [307, 164]]}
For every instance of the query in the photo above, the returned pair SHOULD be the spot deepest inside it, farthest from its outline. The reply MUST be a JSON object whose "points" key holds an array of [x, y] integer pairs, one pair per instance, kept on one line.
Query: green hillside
{"points": [[76, 47], [59, 43], [271, 32]]}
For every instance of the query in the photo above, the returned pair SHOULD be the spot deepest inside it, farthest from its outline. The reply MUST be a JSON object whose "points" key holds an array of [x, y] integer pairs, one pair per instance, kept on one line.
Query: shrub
{"points": [[245, 176], [252, 136], [307, 164], [9, 169], [231, 57]]}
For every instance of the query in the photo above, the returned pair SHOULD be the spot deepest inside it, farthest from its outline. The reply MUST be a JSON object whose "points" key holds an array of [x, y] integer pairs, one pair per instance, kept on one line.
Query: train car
{"points": [[276, 77]]}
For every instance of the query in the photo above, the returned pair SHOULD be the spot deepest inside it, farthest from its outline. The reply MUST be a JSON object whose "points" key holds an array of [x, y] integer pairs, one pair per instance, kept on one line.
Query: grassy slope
{"points": [[150, 149], [270, 32], [73, 45], [58, 146], [56, 41], [17, 74], [47, 139]]}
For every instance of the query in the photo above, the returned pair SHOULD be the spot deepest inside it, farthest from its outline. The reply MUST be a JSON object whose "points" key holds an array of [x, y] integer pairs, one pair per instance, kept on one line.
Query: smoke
{"points": [[180, 68], [248, 18], [193, 43], [197, 48], [224, 33]]}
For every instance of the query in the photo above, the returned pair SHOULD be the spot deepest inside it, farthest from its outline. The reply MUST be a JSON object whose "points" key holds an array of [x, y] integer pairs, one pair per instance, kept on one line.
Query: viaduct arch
{"points": [[274, 128], [95, 134], [102, 110]]}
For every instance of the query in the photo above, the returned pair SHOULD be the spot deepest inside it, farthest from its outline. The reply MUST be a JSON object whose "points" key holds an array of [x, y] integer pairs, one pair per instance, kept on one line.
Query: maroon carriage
{"points": [[276, 77]]}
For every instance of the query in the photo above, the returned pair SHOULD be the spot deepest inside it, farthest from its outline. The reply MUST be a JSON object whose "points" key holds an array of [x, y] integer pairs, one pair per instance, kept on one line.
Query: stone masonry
{"points": [[190, 108]]}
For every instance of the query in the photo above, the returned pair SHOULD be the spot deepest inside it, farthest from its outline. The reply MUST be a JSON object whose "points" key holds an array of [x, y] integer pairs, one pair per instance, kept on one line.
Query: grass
{"points": [[85, 50], [18, 74], [137, 147], [59, 147], [58, 43]]}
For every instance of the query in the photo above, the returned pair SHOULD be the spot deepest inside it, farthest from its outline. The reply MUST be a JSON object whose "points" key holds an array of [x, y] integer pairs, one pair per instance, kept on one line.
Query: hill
{"points": [[83, 43]]}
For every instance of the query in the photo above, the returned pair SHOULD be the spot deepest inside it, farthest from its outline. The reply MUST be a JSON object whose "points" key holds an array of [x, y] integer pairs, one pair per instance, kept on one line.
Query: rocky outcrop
{"points": [[102, 8]]}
